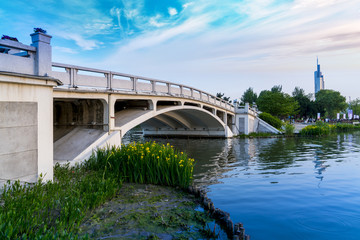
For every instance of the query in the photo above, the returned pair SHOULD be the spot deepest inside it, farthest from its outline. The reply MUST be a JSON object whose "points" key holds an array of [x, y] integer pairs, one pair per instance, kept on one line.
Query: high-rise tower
{"points": [[318, 78]]}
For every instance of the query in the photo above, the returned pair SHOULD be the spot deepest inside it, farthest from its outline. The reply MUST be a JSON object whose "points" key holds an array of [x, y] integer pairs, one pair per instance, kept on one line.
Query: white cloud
{"points": [[65, 49], [154, 21], [190, 26], [81, 42], [187, 4], [172, 11], [116, 12]]}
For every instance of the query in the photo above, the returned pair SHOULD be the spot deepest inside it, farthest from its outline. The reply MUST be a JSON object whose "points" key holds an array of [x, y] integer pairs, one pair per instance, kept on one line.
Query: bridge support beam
{"points": [[111, 112]]}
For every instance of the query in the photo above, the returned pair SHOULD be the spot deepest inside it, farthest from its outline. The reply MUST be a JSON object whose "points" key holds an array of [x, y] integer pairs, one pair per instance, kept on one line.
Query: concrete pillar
{"points": [[43, 59], [247, 106], [111, 111], [106, 119]]}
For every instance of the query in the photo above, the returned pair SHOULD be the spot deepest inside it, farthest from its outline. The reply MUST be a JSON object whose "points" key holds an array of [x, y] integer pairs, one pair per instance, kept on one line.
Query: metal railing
{"points": [[82, 77]]}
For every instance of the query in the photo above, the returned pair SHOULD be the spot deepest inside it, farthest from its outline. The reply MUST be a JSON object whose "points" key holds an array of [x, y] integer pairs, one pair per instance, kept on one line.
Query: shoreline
{"points": [[147, 211]]}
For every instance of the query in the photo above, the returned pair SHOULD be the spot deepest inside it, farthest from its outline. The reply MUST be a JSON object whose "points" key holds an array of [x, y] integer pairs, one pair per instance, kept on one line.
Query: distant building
{"points": [[318, 78]]}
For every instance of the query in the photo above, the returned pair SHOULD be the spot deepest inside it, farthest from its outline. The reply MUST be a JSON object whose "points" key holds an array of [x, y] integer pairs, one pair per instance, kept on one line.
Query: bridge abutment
{"points": [[26, 130]]}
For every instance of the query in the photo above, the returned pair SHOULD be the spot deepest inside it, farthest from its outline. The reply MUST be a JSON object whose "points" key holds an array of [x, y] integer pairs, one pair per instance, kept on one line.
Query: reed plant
{"points": [[144, 163], [55, 210]]}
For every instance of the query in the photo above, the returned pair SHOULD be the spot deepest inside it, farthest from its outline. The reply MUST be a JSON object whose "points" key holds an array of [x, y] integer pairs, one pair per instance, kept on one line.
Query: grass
{"points": [[256, 135], [321, 128], [54, 210]]}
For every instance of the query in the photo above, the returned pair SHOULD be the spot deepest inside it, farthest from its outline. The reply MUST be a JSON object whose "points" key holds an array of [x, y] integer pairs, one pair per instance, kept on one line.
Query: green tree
{"points": [[306, 106], [277, 103], [276, 89], [355, 106], [221, 95], [249, 96], [330, 102]]}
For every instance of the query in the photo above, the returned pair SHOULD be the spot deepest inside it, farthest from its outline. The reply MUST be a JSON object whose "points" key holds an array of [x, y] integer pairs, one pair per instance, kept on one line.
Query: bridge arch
{"points": [[173, 120]]}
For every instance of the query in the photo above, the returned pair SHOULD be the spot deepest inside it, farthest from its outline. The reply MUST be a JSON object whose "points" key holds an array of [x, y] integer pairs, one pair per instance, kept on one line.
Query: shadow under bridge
{"points": [[176, 121]]}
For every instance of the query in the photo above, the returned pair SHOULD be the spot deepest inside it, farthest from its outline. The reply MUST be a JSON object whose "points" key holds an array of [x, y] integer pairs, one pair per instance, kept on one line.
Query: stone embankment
{"points": [[234, 231]]}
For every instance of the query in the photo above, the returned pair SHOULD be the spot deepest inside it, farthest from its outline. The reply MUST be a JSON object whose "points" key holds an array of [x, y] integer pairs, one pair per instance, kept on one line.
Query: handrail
{"points": [[17, 45], [109, 75]]}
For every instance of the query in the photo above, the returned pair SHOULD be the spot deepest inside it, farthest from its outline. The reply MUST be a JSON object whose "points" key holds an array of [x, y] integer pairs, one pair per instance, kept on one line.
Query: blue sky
{"points": [[217, 46]]}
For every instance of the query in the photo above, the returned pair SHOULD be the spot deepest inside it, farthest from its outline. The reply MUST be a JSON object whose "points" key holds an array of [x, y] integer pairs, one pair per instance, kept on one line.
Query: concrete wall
{"points": [[18, 142], [26, 127], [247, 123]]}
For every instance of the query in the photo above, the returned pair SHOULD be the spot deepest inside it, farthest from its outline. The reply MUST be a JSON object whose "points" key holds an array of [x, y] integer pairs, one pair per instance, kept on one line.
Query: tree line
{"points": [[327, 102]]}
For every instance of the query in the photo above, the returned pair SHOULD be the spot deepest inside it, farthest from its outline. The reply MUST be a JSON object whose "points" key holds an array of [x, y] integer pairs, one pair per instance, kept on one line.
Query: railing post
{"points": [[192, 92], [134, 80], [181, 90], [73, 77], [68, 71], [169, 88], [109, 77], [153, 87]]}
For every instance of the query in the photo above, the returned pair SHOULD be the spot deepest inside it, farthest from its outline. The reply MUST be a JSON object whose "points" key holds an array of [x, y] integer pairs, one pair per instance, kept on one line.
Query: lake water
{"points": [[283, 188]]}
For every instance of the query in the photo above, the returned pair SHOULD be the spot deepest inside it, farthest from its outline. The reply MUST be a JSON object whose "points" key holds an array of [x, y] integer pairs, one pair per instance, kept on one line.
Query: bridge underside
{"points": [[82, 124], [183, 123], [175, 120]]}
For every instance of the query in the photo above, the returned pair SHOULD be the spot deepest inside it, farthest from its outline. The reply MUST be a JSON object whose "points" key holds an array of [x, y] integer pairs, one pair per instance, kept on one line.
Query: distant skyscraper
{"points": [[318, 78]]}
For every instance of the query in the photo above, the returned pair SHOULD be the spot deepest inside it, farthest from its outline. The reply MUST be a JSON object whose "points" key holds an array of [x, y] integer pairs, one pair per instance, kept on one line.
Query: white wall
{"points": [[19, 89]]}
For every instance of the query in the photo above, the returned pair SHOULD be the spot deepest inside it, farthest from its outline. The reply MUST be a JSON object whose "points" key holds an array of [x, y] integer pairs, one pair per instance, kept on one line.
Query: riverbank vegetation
{"points": [[321, 129], [144, 163], [55, 210], [270, 119]]}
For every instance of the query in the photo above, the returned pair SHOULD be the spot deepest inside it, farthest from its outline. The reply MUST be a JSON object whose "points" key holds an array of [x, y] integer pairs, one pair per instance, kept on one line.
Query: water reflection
{"points": [[272, 185], [219, 158]]}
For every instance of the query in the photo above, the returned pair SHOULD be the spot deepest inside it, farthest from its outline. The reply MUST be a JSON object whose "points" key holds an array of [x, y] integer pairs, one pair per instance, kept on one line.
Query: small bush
{"points": [[289, 129], [270, 119]]}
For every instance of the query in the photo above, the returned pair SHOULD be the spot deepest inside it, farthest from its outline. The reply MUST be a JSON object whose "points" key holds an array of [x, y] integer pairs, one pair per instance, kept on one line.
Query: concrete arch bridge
{"points": [[94, 107], [54, 111]]}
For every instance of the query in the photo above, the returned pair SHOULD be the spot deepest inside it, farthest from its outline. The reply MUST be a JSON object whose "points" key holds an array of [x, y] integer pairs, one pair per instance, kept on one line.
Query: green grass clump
{"points": [[256, 135], [321, 128], [52, 210], [270, 119], [289, 129], [144, 163]]}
